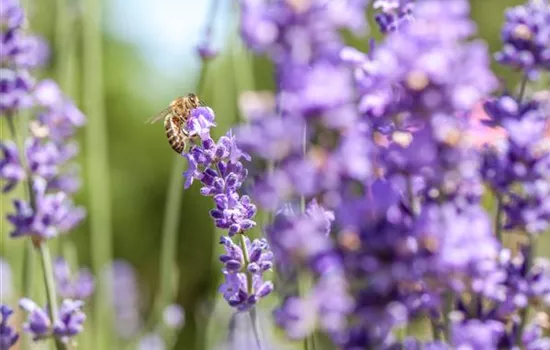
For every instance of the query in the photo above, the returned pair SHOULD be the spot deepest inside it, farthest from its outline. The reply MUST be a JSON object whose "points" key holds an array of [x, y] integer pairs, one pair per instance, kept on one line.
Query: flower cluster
{"points": [[44, 165], [394, 14], [526, 37], [218, 167], [521, 160], [8, 336], [79, 286], [39, 324], [384, 141]]}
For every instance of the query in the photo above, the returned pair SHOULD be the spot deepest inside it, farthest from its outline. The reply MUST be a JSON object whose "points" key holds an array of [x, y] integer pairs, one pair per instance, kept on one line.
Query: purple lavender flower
{"points": [[14, 89], [11, 15], [395, 13], [526, 37], [460, 240], [522, 285], [79, 286], [427, 66], [151, 341], [521, 161], [126, 299], [10, 166], [38, 322], [174, 316], [278, 27], [222, 174], [236, 289], [475, 334], [8, 336], [71, 319], [52, 214]]}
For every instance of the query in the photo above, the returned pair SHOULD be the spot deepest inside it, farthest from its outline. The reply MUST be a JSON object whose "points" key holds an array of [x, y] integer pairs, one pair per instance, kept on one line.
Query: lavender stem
{"points": [[498, 218], [525, 311], [252, 311], [50, 286], [98, 169], [522, 88]]}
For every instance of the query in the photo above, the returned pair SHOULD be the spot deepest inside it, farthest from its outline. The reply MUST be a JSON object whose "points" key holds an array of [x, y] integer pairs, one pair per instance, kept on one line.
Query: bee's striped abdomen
{"points": [[175, 136]]}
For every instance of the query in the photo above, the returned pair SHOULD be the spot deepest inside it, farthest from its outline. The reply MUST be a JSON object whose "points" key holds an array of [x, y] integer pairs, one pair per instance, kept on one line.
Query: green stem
{"points": [[525, 311], [250, 289], [98, 169], [170, 227], [242, 241], [522, 88], [50, 286], [498, 218], [447, 309]]}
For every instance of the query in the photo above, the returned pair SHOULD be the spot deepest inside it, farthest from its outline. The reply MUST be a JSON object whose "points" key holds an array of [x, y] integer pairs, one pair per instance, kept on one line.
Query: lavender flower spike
{"points": [[526, 37], [218, 167], [68, 325], [8, 336], [79, 286]]}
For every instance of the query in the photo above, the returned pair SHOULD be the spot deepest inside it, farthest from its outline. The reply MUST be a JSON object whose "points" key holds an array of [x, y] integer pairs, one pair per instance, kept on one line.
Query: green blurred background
{"points": [[148, 59]]}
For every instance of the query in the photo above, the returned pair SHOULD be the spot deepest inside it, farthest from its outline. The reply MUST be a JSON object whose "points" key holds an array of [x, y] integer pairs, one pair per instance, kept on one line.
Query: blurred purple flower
{"points": [[475, 334], [151, 341], [526, 37], [126, 299], [54, 214], [71, 319], [15, 89], [174, 316], [38, 322], [394, 14], [8, 335], [426, 66], [11, 15], [10, 166], [79, 286]]}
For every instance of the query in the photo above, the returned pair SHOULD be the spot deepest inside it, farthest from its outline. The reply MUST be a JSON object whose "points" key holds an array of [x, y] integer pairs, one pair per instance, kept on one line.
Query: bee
{"points": [[174, 118]]}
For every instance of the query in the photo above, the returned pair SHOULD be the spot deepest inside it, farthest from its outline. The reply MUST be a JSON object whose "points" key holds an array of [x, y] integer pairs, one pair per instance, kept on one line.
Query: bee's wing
{"points": [[159, 116]]}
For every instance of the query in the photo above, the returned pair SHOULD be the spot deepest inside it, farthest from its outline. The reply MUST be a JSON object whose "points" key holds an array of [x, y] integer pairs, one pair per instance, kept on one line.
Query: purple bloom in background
{"points": [[71, 319], [10, 166], [8, 336], [79, 286], [427, 67], [14, 89], [54, 214], [521, 161], [475, 334], [460, 240], [521, 285], [394, 14], [126, 303], [11, 15], [151, 341], [173, 316], [526, 37], [38, 322]]}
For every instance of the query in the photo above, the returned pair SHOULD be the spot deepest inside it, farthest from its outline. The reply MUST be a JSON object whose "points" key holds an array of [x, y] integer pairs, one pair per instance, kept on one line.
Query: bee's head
{"points": [[193, 100]]}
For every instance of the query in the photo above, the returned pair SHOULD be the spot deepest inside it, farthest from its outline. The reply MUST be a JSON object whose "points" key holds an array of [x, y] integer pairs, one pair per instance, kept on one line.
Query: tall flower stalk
{"points": [[98, 166]]}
